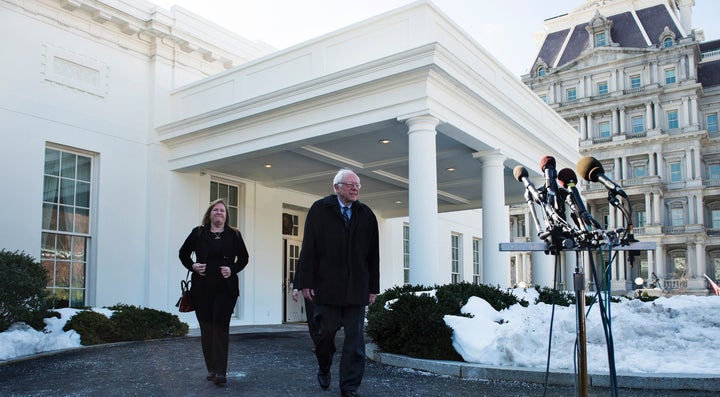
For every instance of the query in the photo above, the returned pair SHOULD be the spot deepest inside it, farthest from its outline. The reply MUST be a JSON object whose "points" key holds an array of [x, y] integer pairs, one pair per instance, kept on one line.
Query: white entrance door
{"points": [[294, 311]]}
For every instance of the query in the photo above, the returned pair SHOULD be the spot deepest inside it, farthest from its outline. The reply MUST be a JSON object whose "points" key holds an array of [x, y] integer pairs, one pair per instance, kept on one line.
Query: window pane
{"points": [[676, 217], [213, 191], [602, 88], [65, 219], [82, 220], [67, 165], [637, 124], [714, 171], [223, 191], [77, 277], [82, 194], [635, 81], [675, 172], [52, 162], [50, 189], [62, 274], [49, 216], [715, 215], [67, 191], [669, 76], [232, 216], [77, 298], [232, 195], [672, 119], [83, 168]]}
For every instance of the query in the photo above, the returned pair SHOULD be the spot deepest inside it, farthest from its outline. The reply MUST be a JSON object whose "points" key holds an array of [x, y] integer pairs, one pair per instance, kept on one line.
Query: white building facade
{"points": [[122, 121]]}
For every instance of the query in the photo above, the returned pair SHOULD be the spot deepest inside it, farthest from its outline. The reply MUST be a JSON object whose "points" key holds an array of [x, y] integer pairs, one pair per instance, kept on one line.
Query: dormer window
{"points": [[667, 38], [541, 71], [541, 68], [598, 30], [600, 40]]}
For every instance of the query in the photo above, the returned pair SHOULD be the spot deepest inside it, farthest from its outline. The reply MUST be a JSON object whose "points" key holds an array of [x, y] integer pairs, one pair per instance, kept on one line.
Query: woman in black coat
{"points": [[220, 254]]}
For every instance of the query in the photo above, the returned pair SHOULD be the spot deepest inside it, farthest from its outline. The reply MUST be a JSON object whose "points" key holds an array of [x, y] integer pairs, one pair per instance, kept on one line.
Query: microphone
{"points": [[521, 174], [568, 180], [547, 165], [592, 170]]}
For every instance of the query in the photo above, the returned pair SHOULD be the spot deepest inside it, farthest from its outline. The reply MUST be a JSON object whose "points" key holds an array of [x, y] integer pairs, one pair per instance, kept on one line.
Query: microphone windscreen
{"points": [[547, 162], [589, 168], [567, 177], [519, 172]]}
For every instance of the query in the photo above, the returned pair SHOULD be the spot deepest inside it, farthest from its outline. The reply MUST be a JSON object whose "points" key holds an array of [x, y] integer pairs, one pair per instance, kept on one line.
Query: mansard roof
{"points": [[567, 44], [709, 70]]}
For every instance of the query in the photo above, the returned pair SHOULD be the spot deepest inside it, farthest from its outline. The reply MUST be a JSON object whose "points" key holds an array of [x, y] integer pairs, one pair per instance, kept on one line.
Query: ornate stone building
{"points": [[641, 87]]}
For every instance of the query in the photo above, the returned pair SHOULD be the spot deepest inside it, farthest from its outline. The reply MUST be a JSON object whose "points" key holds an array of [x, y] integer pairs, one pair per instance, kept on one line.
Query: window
{"points": [[638, 124], [712, 122], [604, 129], [600, 39], [714, 171], [543, 98], [672, 119], [541, 71], [477, 279], [715, 219], [290, 224], [571, 94], [406, 254], [456, 268], [640, 219], [229, 193], [66, 227], [668, 42], [639, 171], [675, 171], [677, 217], [602, 88], [669, 76], [635, 81], [679, 264]]}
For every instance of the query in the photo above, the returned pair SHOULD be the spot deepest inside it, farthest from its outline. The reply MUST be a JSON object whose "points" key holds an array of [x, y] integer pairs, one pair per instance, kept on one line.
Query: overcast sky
{"points": [[507, 29]]}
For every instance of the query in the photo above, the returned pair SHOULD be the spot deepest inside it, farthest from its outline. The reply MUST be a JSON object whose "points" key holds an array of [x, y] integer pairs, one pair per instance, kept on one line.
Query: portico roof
{"points": [[292, 119]]}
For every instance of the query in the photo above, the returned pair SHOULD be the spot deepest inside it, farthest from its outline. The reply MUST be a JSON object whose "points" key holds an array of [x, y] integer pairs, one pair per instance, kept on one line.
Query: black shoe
{"points": [[350, 393], [211, 376], [220, 380], [324, 379]]}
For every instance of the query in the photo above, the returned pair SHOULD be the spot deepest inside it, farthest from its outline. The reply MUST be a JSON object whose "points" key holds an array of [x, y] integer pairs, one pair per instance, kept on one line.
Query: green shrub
{"points": [[23, 292], [561, 298], [414, 325], [94, 328], [128, 323], [134, 323]]}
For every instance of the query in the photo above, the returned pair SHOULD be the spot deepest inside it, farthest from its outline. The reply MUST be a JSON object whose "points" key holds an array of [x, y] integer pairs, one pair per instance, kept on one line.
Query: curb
{"points": [[665, 381]]}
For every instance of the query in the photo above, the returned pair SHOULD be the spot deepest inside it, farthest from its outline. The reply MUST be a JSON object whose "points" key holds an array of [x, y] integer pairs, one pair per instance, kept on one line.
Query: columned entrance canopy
{"points": [[374, 97]]}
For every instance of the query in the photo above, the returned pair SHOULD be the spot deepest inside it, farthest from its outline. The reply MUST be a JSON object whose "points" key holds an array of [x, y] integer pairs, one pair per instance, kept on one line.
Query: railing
{"points": [[641, 134], [711, 182], [710, 54], [602, 140], [599, 97], [634, 90], [671, 284], [712, 231], [673, 229]]}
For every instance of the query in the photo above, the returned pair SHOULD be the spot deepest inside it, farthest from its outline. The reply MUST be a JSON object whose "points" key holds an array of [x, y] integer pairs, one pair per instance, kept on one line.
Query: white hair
{"points": [[340, 175]]}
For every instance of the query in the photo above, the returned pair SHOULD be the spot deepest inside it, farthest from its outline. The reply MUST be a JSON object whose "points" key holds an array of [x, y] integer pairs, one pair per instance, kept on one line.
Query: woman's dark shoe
{"points": [[220, 380], [324, 379], [211, 376]]}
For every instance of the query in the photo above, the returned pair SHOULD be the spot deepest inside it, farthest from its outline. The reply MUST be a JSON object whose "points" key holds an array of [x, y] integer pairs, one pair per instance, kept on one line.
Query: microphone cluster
{"points": [[560, 189]]}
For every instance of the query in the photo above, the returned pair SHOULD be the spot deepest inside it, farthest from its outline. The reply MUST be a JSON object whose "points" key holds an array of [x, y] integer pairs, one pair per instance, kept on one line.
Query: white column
{"points": [[583, 127], [614, 122], [699, 260], [700, 211], [623, 130], [422, 191], [686, 112], [659, 123], [648, 117], [495, 227], [648, 209], [590, 129]]}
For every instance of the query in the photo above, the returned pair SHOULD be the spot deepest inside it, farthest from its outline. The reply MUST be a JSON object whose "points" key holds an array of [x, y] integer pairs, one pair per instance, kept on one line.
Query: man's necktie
{"points": [[345, 215]]}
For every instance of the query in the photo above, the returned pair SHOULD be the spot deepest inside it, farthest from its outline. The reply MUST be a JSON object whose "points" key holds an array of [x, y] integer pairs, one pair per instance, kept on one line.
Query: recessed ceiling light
{"points": [[268, 166], [451, 169], [384, 141], [398, 202]]}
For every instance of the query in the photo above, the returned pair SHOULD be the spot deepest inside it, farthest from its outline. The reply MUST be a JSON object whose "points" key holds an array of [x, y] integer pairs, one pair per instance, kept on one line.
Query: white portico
{"points": [[410, 77]]}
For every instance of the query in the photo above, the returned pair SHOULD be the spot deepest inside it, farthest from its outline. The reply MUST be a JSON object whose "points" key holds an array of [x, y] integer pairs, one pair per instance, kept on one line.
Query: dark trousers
{"points": [[313, 327], [213, 314], [352, 362]]}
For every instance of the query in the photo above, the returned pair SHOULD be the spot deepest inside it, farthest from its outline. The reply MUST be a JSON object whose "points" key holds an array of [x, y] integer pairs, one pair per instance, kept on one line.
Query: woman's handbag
{"points": [[185, 303]]}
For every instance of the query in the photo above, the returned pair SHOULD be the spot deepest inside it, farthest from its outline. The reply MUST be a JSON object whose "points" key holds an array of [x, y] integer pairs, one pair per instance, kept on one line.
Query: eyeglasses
{"points": [[355, 185]]}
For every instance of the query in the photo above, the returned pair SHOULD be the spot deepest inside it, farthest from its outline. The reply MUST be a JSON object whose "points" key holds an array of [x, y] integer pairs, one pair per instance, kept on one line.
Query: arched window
{"points": [[541, 71], [668, 42]]}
